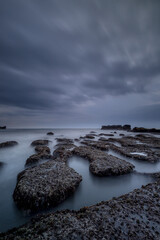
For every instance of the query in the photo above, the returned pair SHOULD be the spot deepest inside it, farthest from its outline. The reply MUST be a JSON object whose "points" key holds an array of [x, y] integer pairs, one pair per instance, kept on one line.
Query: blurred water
{"points": [[91, 190]]}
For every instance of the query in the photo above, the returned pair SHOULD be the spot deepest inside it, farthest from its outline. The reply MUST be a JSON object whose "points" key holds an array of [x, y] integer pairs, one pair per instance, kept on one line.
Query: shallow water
{"points": [[91, 190]]}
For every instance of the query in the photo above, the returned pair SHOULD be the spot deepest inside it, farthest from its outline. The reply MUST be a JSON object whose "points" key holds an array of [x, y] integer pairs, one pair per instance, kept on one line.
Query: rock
{"points": [[147, 130], [121, 134], [2, 127], [50, 133], [8, 144], [42, 149], [39, 142], [102, 145], [107, 135], [62, 153], [130, 217], [45, 185], [43, 152], [35, 158], [64, 141], [145, 147], [101, 163], [117, 127], [90, 136]]}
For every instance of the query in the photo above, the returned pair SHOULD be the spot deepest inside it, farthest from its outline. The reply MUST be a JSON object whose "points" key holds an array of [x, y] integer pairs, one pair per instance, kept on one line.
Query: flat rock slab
{"points": [[45, 185], [101, 163], [8, 144], [130, 217], [40, 142]]}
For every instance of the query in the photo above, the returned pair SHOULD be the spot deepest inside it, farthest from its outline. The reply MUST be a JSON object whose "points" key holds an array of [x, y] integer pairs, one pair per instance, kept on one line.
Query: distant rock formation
{"points": [[148, 130], [2, 127], [117, 127]]}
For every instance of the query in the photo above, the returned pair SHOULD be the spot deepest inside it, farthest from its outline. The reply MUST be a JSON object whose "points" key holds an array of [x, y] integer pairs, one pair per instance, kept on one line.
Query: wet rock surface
{"points": [[43, 152], [45, 185], [40, 142], [101, 163], [8, 144], [132, 216], [140, 147]]}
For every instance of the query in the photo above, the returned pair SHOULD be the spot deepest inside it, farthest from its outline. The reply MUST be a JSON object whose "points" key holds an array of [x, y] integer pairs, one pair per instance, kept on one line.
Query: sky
{"points": [[79, 63]]}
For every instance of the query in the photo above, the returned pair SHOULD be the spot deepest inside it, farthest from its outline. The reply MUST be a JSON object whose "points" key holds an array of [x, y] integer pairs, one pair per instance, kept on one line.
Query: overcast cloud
{"points": [[79, 63]]}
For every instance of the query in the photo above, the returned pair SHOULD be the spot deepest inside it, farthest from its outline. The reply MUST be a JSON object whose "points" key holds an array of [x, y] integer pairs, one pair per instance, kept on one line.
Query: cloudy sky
{"points": [[79, 63]]}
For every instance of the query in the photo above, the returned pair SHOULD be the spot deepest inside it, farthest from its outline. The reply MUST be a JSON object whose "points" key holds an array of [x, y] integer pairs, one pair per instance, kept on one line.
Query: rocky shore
{"points": [[132, 216]]}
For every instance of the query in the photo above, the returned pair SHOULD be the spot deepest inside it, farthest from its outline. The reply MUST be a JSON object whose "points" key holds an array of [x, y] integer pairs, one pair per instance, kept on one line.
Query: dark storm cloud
{"points": [[60, 56]]}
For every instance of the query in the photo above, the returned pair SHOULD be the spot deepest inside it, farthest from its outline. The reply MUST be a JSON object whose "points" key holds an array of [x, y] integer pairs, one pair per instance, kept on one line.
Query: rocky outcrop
{"points": [[50, 133], [129, 217], [40, 142], [45, 185], [8, 144], [101, 163], [145, 130], [117, 127]]}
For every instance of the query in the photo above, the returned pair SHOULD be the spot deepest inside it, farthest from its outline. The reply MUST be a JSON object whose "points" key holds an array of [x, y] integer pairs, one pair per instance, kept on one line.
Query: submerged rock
{"points": [[129, 217], [45, 185], [101, 163], [40, 142], [8, 144], [50, 133], [2, 127]]}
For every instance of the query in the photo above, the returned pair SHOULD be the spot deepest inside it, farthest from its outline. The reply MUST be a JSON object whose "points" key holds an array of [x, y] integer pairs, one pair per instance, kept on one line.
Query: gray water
{"points": [[90, 191]]}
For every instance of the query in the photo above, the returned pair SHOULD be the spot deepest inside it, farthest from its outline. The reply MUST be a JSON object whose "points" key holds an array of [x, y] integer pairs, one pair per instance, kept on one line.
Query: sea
{"points": [[91, 190]]}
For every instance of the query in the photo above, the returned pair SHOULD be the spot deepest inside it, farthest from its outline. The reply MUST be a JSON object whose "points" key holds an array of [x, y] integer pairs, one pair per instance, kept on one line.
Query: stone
{"points": [[2, 127], [50, 133], [45, 185], [102, 164], [8, 144], [147, 130], [40, 142]]}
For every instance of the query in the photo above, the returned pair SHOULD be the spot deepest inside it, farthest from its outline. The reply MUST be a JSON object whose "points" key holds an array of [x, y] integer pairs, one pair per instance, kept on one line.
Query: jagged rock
{"points": [[50, 133], [45, 185], [8, 144], [101, 163], [39, 142], [130, 217]]}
